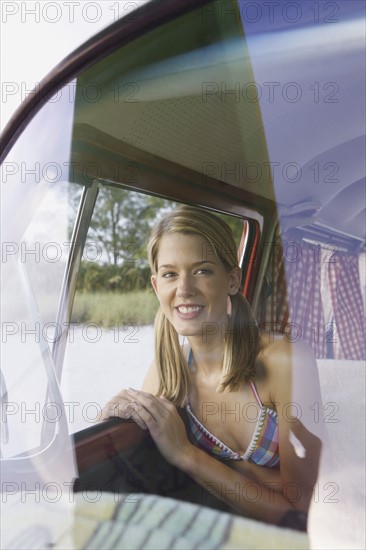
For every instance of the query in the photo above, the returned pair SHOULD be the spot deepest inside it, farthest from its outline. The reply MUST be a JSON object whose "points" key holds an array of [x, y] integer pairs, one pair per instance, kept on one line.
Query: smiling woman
{"points": [[249, 113], [194, 262], [225, 363]]}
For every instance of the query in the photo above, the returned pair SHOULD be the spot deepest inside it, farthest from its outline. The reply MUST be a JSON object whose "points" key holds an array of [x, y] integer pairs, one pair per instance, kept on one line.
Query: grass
{"points": [[111, 308]]}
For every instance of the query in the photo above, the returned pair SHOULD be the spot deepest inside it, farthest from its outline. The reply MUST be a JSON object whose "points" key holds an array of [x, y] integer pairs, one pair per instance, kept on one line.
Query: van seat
{"points": [[337, 512]]}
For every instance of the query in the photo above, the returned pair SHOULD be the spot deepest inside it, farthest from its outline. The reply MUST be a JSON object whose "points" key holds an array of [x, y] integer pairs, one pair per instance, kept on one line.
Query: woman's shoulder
{"points": [[278, 349], [292, 377], [279, 357]]}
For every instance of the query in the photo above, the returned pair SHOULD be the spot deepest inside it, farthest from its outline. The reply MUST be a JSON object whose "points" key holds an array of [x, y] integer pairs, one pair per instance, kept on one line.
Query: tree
{"points": [[119, 229], [121, 222]]}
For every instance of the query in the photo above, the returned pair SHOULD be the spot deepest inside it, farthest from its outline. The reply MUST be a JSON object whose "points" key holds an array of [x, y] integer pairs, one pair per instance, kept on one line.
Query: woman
{"points": [[234, 383]]}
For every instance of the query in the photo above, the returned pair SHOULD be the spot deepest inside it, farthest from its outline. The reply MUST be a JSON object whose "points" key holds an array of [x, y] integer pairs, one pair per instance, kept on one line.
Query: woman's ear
{"points": [[235, 280], [153, 283]]}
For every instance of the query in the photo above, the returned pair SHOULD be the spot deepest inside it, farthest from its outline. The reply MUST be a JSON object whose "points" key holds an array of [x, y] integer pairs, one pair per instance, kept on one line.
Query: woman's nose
{"points": [[185, 286]]}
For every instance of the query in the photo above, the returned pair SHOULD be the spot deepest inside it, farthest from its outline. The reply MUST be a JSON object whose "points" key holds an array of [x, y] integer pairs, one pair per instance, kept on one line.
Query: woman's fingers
{"points": [[141, 407], [123, 406], [165, 425], [165, 400], [154, 406], [130, 410], [144, 404]]}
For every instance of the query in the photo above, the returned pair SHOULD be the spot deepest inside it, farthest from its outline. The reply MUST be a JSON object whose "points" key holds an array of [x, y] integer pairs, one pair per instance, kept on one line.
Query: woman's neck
{"points": [[207, 357]]}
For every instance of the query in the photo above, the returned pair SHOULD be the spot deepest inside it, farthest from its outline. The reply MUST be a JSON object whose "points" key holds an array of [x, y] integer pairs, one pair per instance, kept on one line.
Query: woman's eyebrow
{"points": [[195, 264], [165, 266], [204, 262]]}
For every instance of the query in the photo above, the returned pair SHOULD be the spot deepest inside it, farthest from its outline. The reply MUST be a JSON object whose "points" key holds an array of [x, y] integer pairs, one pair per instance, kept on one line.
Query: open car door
{"points": [[250, 110]]}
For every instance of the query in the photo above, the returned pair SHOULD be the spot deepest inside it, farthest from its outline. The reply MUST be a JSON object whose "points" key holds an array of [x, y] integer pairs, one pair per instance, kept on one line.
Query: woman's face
{"points": [[192, 284]]}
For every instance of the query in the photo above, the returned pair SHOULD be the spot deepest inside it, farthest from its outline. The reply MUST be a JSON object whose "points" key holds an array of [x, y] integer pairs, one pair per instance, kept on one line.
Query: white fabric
{"points": [[337, 514]]}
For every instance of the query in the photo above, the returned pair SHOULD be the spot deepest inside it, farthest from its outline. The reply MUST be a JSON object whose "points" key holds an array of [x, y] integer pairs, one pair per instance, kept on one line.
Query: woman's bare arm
{"points": [[246, 496], [262, 493], [254, 493], [294, 384]]}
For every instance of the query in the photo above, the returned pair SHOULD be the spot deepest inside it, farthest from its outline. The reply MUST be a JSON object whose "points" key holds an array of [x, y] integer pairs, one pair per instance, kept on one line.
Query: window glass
{"points": [[148, 117], [111, 340], [171, 96], [35, 217]]}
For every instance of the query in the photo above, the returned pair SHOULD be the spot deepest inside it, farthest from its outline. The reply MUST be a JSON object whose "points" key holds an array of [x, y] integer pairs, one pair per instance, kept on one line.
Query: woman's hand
{"points": [[124, 406], [164, 423]]}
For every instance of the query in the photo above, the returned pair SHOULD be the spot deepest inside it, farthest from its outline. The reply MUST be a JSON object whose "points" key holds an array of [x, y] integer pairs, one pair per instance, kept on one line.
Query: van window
{"points": [[110, 344]]}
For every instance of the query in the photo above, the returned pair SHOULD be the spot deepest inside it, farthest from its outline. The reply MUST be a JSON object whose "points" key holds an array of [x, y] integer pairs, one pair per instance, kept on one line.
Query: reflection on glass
{"points": [[111, 337], [35, 246]]}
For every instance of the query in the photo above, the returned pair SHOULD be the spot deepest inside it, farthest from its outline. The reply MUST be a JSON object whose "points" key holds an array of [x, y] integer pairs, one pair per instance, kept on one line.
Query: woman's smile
{"points": [[189, 311], [191, 282]]}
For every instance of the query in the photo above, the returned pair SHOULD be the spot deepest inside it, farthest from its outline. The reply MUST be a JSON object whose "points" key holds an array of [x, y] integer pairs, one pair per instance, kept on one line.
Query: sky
{"points": [[36, 35]]}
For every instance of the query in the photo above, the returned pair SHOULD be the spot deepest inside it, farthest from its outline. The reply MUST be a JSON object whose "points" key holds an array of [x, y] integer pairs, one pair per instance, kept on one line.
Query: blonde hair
{"points": [[241, 345]]}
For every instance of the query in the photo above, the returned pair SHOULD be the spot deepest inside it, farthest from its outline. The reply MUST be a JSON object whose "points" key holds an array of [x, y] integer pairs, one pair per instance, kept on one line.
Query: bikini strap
{"points": [[254, 390]]}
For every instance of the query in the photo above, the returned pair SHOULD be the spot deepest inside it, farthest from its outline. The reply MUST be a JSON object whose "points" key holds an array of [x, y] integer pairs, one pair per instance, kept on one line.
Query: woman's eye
{"points": [[204, 272], [168, 275]]}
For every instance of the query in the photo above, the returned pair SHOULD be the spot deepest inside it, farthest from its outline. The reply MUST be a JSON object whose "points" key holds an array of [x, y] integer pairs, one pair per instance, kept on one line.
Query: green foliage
{"points": [[121, 222], [116, 288], [111, 308], [128, 277], [119, 229], [236, 225]]}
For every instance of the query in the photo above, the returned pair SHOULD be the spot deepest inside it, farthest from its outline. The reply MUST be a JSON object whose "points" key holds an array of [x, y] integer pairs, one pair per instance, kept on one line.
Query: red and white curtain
{"points": [[299, 283], [294, 305], [349, 340]]}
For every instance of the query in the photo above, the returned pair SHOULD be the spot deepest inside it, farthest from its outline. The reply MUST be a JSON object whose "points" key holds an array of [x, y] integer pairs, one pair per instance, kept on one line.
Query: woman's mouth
{"points": [[189, 311]]}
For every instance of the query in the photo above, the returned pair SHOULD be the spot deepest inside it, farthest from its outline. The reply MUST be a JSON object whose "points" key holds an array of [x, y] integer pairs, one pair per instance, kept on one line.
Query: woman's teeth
{"points": [[188, 309]]}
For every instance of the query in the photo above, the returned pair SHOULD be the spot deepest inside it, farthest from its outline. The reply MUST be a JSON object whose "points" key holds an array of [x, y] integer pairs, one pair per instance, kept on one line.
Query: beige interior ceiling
{"points": [[197, 109], [316, 117], [187, 110]]}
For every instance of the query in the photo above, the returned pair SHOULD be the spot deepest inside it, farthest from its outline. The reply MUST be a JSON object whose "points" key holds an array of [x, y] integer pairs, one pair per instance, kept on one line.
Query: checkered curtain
{"points": [[274, 314], [349, 340], [294, 304]]}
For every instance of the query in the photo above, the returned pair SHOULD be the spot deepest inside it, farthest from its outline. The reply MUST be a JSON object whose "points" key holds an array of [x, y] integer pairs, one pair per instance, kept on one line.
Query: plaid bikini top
{"points": [[263, 448]]}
